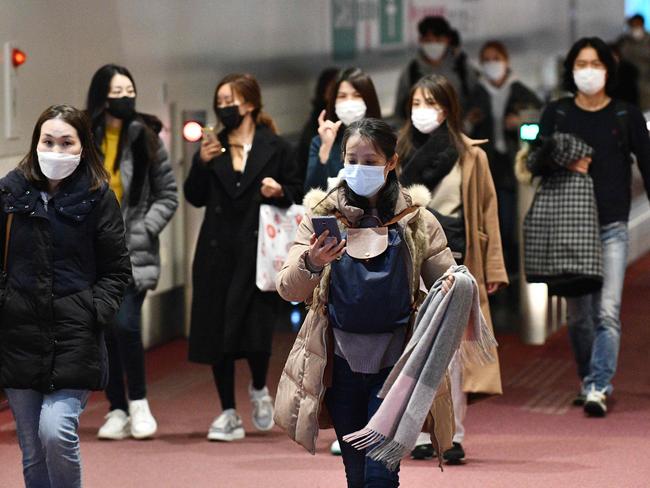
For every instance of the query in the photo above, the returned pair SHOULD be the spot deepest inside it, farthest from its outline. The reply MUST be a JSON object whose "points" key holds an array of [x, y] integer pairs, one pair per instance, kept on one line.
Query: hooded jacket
{"points": [[299, 406], [67, 268]]}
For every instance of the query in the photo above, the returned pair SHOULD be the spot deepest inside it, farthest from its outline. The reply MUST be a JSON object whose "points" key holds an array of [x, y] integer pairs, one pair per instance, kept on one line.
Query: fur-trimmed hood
{"points": [[320, 202]]}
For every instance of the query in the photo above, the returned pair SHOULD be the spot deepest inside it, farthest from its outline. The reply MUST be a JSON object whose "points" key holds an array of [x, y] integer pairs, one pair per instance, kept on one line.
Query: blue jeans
{"points": [[47, 426], [351, 402], [594, 320], [126, 353]]}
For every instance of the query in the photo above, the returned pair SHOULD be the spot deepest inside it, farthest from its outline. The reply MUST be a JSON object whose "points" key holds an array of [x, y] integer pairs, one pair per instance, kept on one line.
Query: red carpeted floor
{"points": [[529, 437]]}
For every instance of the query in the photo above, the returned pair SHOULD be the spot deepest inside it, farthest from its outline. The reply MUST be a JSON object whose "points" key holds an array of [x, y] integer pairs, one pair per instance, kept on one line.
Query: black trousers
{"points": [[224, 375], [126, 353]]}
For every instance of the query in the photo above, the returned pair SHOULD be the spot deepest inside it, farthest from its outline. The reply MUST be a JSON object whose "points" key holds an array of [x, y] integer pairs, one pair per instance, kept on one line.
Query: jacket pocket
{"points": [[76, 341]]}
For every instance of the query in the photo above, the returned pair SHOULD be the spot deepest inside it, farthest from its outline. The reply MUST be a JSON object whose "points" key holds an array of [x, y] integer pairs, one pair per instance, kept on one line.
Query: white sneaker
{"points": [[335, 448], [262, 408], [595, 403], [227, 427], [143, 425], [116, 426]]}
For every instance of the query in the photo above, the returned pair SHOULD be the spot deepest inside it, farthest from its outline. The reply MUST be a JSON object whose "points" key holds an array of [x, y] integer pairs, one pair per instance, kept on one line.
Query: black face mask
{"points": [[121, 108], [230, 116]]}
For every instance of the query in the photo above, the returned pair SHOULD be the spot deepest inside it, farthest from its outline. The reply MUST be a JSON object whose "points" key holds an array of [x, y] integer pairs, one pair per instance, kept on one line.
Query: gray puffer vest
{"points": [[145, 219]]}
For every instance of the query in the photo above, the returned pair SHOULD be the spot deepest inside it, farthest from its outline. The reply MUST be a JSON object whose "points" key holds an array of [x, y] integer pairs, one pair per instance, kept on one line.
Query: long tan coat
{"points": [[299, 406], [484, 256]]}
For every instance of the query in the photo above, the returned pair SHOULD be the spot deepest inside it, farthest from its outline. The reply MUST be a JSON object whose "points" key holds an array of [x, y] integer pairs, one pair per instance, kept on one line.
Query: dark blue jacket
{"points": [[67, 267]]}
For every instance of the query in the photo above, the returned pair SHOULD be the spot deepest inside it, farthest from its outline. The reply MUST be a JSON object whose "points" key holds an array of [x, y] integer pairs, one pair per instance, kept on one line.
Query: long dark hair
{"points": [[361, 83], [383, 139], [604, 54], [444, 95], [100, 85], [247, 87], [322, 91], [90, 161], [144, 148]]}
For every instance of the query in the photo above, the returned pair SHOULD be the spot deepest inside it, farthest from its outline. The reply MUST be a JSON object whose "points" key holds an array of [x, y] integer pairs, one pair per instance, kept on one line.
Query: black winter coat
{"points": [[68, 267], [230, 315]]}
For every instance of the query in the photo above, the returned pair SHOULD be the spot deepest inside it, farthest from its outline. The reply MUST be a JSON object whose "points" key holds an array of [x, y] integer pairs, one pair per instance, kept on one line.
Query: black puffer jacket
{"points": [[68, 267]]}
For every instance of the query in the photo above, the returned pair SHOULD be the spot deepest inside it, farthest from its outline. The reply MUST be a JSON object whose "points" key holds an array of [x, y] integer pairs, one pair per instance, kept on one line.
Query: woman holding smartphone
{"points": [[336, 366], [142, 178], [246, 165], [67, 268], [435, 153]]}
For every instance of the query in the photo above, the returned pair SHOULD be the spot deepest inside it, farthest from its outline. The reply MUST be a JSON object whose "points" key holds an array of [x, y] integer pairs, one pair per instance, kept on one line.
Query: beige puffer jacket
{"points": [[299, 399]]}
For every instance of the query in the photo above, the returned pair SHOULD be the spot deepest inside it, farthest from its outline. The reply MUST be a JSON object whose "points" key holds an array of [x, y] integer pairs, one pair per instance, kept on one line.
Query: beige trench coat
{"points": [[299, 406], [483, 254]]}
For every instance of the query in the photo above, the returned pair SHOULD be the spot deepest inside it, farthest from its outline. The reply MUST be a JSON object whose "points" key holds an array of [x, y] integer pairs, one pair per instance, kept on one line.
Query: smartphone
{"points": [[209, 133], [328, 222]]}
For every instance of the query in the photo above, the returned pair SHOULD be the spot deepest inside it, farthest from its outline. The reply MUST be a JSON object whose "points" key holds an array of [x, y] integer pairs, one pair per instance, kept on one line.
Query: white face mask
{"points": [[425, 119], [494, 70], [434, 50], [349, 111], [364, 180], [57, 166], [638, 33], [589, 80]]}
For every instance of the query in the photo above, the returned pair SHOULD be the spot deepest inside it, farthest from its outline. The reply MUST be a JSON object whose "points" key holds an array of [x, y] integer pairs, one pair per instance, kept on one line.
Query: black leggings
{"points": [[224, 375]]}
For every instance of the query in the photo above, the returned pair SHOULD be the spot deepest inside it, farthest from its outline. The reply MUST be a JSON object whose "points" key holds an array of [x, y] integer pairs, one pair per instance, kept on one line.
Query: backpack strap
{"points": [[401, 215], [623, 127], [392, 221], [10, 219], [414, 72], [561, 109]]}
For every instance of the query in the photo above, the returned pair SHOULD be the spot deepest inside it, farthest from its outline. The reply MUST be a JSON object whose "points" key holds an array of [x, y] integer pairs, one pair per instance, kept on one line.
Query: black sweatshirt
{"points": [[610, 168]]}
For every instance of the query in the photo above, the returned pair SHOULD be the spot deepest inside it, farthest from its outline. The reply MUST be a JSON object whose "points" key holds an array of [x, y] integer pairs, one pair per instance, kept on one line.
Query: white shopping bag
{"points": [[277, 231]]}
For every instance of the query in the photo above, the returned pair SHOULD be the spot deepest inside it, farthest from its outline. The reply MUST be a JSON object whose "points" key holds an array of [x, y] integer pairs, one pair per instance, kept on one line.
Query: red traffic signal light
{"points": [[18, 57]]}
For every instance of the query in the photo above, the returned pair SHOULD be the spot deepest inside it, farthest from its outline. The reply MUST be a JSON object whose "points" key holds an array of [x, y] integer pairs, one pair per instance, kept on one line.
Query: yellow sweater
{"points": [[109, 147]]}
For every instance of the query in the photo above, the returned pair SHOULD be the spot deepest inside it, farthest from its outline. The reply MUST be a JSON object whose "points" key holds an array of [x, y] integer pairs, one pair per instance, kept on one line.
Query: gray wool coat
{"points": [[145, 220]]}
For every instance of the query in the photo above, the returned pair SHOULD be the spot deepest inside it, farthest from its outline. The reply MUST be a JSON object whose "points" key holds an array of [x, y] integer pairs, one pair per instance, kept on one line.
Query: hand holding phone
{"points": [[326, 242], [210, 145], [327, 222]]}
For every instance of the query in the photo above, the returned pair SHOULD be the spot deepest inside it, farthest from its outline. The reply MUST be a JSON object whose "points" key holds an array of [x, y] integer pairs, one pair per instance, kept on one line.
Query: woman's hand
{"points": [[447, 284], [210, 148], [327, 131], [492, 288], [323, 251], [581, 165], [271, 188]]}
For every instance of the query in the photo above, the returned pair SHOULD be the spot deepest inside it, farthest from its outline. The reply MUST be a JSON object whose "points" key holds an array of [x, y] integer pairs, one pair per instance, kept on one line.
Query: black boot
{"points": [[424, 451], [454, 454]]}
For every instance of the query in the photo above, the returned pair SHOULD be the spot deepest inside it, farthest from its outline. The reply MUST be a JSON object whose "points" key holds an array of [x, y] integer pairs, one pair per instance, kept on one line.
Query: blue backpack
{"points": [[371, 295]]}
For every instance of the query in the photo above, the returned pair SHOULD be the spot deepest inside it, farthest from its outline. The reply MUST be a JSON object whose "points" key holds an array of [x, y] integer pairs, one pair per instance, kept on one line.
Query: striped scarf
{"points": [[411, 386]]}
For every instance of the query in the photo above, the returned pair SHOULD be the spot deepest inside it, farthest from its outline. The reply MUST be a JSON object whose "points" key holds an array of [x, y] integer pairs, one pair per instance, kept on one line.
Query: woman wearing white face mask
{"points": [[493, 113], [361, 325], [614, 129], [436, 154], [67, 268], [353, 97]]}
